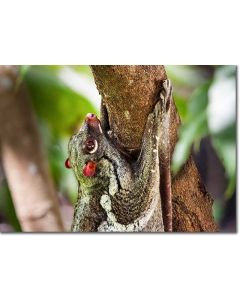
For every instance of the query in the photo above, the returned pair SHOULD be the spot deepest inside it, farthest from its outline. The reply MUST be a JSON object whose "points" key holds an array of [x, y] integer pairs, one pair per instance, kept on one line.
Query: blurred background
{"points": [[205, 96]]}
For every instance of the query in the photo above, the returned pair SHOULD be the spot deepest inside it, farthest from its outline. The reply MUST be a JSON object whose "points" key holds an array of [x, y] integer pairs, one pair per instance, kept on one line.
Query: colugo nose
{"points": [[92, 120], [91, 117]]}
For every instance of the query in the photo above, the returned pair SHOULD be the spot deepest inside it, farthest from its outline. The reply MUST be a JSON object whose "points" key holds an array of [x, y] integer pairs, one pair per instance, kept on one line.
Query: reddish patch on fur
{"points": [[89, 169], [68, 164]]}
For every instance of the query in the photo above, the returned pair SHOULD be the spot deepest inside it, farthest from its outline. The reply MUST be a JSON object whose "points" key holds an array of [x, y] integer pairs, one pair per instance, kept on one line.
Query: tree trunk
{"points": [[24, 162], [129, 94]]}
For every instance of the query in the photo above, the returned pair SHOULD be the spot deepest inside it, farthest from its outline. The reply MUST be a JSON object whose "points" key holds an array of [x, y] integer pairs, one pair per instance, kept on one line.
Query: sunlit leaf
{"points": [[194, 129], [182, 106], [222, 100], [222, 121], [184, 75], [57, 104], [82, 69]]}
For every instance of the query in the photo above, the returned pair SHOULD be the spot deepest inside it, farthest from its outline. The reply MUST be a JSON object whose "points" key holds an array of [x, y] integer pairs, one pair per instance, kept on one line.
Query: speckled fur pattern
{"points": [[124, 195]]}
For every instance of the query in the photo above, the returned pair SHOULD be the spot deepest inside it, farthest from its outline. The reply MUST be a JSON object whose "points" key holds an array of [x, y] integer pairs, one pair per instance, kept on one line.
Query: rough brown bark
{"points": [[129, 93], [24, 162]]}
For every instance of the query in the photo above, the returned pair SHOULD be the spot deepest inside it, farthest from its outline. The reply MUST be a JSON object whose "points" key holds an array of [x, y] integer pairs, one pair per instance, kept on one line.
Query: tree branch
{"points": [[23, 159], [129, 94]]}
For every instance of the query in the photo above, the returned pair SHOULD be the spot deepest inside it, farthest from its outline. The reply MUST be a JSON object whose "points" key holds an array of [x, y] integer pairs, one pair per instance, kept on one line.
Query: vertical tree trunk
{"points": [[23, 159], [129, 94]]}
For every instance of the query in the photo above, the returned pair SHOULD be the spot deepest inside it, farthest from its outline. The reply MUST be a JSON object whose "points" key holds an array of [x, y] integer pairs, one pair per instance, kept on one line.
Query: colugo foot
{"points": [[166, 95], [166, 99]]}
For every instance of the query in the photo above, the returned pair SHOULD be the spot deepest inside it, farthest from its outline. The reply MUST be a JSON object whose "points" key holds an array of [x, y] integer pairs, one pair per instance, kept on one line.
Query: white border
{"points": [[146, 266]]}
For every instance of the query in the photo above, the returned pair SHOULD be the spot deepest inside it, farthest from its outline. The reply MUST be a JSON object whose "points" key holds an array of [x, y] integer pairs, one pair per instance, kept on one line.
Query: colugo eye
{"points": [[90, 145]]}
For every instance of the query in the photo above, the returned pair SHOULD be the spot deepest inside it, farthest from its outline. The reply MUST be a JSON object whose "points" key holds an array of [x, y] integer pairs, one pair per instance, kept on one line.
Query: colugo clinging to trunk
{"points": [[116, 192]]}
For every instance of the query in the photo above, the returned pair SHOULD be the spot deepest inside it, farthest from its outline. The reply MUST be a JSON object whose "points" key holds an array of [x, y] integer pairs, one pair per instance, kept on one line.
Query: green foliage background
{"points": [[60, 109]]}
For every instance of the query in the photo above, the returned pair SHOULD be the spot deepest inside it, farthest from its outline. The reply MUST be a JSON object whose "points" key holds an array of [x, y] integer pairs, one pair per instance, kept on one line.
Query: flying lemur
{"points": [[116, 193]]}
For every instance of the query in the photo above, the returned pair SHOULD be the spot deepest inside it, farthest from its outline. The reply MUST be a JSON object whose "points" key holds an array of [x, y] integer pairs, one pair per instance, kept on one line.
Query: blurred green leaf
{"points": [[184, 75], [222, 121], [182, 106], [225, 146], [60, 110], [7, 207], [218, 210], [198, 101], [57, 104], [58, 153], [226, 72], [22, 72], [82, 69], [195, 126]]}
